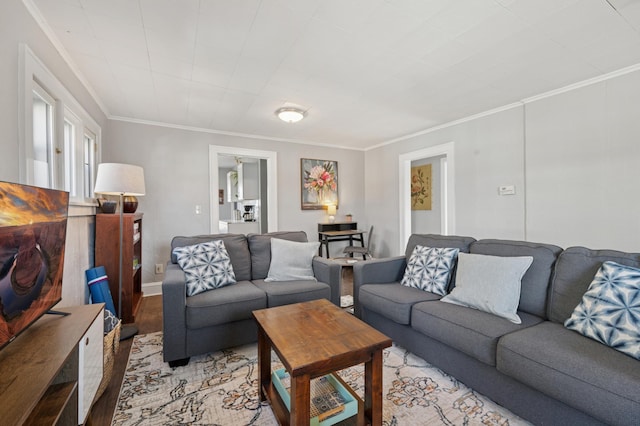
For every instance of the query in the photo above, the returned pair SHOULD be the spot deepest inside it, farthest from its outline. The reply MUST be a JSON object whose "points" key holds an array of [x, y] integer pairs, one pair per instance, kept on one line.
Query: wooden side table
{"points": [[313, 339]]}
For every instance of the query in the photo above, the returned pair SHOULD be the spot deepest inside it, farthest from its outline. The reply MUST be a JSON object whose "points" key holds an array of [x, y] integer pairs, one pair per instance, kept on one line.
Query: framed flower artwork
{"points": [[319, 183], [421, 187]]}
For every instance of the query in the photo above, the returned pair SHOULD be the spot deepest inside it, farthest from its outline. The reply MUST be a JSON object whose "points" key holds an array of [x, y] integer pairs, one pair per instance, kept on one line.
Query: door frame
{"points": [[447, 222], [272, 182]]}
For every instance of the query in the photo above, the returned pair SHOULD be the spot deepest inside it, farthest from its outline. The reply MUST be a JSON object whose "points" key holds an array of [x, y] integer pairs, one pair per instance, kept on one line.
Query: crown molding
{"points": [[588, 82], [446, 125], [37, 16], [57, 44], [227, 133], [583, 83]]}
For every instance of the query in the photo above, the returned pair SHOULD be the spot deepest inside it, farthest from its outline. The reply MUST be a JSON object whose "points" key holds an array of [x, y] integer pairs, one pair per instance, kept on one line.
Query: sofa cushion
{"points": [[291, 260], [574, 272], [236, 245], [392, 300], [226, 304], [206, 266], [490, 283], [474, 332], [610, 309], [287, 292], [535, 283], [436, 240], [260, 247], [578, 371], [429, 269]]}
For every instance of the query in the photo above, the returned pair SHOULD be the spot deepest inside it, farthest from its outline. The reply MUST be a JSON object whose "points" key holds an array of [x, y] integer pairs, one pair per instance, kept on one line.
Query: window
{"points": [[89, 164], [70, 158], [59, 141], [43, 161]]}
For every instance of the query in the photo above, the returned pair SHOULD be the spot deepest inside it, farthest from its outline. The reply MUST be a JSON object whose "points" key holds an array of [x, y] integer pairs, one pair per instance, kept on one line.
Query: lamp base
{"points": [[127, 331]]}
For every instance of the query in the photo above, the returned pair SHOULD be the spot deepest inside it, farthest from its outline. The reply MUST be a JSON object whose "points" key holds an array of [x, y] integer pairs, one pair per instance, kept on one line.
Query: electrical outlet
{"points": [[159, 268]]}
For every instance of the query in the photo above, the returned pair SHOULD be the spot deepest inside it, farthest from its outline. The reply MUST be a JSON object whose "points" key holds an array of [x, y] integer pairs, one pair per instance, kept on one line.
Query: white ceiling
{"points": [[366, 71]]}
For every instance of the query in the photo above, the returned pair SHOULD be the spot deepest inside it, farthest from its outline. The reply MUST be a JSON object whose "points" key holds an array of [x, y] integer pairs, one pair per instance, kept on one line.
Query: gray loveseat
{"points": [[221, 318], [540, 370]]}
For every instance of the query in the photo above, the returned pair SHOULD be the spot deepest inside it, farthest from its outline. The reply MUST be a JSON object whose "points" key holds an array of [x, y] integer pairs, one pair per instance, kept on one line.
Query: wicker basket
{"points": [[111, 345]]}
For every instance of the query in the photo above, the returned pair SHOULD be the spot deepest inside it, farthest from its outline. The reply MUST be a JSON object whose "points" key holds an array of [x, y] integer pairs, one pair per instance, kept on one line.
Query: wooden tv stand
{"points": [[40, 378]]}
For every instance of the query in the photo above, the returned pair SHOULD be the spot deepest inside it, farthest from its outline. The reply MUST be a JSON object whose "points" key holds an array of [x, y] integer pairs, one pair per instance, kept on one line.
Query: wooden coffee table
{"points": [[313, 339]]}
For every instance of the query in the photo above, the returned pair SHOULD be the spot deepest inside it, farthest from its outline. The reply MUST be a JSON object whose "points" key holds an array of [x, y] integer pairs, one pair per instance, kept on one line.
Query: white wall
{"points": [[176, 167], [16, 27], [79, 256], [578, 153], [583, 166], [488, 153]]}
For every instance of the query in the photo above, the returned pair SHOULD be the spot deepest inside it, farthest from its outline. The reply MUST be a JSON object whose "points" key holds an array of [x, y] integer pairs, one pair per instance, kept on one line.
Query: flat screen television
{"points": [[33, 229]]}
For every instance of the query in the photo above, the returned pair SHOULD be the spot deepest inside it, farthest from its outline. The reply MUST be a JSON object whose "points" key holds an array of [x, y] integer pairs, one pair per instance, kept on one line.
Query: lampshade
{"points": [[290, 115], [117, 179], [331, 210]]}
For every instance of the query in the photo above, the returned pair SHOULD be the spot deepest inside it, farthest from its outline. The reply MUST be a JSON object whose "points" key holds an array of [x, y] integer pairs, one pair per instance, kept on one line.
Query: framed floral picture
{"points": [[421, 187], [319, 183]]}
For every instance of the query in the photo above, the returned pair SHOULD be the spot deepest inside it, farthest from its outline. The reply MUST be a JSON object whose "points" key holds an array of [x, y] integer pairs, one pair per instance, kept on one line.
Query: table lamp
{"points": [[121, 179], [331, 211]]}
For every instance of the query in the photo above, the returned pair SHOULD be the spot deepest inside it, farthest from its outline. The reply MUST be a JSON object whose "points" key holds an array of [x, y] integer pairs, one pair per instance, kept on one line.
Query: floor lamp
{"points": [[120, 179]]}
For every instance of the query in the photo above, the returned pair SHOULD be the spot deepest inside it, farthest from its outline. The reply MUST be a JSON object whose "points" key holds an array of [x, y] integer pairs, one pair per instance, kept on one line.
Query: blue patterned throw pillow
{"points": [[206, 266], [429, 269], [610, 309]]}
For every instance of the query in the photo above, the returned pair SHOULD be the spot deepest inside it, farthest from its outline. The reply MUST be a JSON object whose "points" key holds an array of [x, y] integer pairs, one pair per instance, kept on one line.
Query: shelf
{"points": [[50, 408], [107, 255], [282, 414]]}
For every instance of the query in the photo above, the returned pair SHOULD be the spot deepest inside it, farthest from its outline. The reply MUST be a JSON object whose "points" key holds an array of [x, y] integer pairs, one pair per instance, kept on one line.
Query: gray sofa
{"points": [[540, 370], [222, 318]]}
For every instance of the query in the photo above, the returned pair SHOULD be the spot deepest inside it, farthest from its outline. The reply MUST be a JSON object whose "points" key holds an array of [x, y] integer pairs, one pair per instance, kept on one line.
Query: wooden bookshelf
{"points": [[107, 255]]}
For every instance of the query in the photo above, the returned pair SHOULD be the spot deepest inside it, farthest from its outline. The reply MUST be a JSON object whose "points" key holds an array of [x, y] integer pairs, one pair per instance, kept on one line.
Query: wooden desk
{"points": [[338, 231], [312, 339]]}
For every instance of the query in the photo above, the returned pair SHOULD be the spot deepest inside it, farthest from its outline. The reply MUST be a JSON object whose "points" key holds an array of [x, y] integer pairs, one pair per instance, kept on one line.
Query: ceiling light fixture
{"points": [[290, 115]]}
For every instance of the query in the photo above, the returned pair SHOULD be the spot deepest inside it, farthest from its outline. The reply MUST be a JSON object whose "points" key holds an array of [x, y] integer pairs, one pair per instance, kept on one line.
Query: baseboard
{"points": [[152, 289]]}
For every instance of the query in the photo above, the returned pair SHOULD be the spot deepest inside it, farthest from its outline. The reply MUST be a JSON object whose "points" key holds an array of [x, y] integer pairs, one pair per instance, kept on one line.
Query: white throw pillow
{"points": [[206, 266], [291, 260], [490, 284]]}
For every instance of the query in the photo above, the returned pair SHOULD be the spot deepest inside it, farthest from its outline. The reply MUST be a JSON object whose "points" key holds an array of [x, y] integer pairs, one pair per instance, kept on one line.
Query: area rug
{"points": [[346, 301], [222, 389]]}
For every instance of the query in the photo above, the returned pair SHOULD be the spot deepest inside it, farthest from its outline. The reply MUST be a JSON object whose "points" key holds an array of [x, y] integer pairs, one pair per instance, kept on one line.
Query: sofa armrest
{"points": [[329, 272], [376, 271], [174, 305]]}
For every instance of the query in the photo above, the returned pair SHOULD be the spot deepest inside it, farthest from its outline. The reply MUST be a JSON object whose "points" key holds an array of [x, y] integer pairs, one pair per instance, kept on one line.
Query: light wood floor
{"points": [[149, 320]]}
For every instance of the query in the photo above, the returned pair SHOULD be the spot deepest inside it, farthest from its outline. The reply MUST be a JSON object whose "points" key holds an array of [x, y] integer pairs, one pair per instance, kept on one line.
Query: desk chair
{"points": [[364, 251]]}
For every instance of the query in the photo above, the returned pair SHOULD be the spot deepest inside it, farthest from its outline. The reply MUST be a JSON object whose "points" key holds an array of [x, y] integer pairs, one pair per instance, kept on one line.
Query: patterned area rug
{"points": [[221, 389], [346, 301]]}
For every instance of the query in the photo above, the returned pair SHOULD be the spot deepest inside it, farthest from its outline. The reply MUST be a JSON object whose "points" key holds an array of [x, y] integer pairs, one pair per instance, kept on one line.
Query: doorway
{"points": [[443, 155], [270, 192]]}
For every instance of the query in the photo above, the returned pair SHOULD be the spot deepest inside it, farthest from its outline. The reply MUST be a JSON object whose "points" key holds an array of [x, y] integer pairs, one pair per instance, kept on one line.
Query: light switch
{"points": [[198, 209], [507, 190]]}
